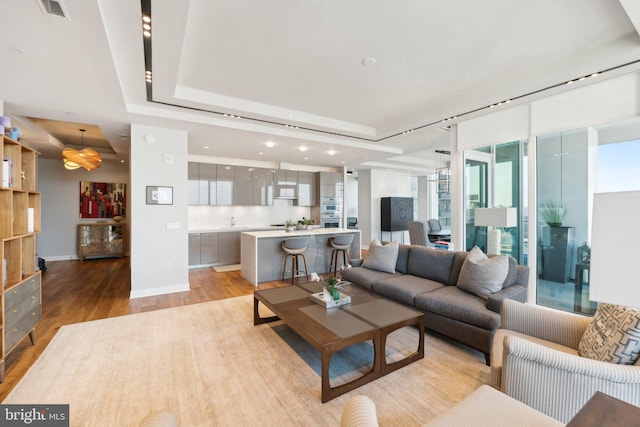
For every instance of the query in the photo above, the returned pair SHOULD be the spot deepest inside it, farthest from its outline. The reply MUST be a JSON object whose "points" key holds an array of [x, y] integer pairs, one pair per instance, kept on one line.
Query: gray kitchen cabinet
{"points": [[197, 187], [194, 248], [225, 180], [286, 184], [262, 186], [242, 194], [201, 184], [307, 192], [208, 173], [203, 248], [229, 243], [331, 185], [209, 250]]}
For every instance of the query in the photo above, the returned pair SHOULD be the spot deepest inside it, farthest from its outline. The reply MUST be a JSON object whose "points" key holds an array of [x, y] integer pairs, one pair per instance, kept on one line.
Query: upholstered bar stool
{"points": [[340, 244], [294, 248]]}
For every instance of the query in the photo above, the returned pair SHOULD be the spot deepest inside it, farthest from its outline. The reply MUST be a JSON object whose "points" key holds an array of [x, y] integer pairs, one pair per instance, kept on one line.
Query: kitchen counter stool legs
{"points": [[295, 248], [340, 244]]}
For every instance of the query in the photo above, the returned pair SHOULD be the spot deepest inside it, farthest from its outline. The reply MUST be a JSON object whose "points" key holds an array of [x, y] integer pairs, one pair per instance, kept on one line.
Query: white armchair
{"points": [[535, 359]]}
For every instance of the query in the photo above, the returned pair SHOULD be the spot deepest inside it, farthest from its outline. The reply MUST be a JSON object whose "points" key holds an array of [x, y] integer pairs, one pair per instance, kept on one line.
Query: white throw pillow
{"points": [[382, 257], [481, 275]]}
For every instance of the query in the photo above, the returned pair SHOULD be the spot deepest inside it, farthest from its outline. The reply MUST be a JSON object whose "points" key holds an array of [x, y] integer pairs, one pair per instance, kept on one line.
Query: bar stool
{"points": [[294, 248], [340, 244]]}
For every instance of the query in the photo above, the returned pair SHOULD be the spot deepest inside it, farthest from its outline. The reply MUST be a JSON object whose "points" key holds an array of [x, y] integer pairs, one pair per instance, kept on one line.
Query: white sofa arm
{"points": [[550, 325], [559, 384]]}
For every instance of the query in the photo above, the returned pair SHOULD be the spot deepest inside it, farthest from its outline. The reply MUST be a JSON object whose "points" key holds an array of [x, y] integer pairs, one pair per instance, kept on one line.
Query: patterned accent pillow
{"points": [[483, 276], [613, 335], [382, 257]]}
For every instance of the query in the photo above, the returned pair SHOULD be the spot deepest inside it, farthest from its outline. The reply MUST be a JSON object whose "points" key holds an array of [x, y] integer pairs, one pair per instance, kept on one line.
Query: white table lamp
{"points": [[615, 248], [495, 217]]}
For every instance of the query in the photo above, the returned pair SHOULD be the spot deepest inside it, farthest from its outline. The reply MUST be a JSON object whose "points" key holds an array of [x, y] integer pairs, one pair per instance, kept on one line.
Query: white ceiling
{"points": [[300, 63]]}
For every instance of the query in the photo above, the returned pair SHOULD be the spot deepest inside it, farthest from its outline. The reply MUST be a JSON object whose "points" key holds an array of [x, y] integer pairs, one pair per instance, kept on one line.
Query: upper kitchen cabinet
{"points": [[242, 194], [262, 186], [331, 185], [201, 185], [224, 184], [286, 184], [307, 189], [197, 189], [209, 173]]}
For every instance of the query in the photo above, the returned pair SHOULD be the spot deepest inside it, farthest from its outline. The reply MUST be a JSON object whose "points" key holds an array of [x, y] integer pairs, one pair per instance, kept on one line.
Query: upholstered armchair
{"points": [[535, 359]]}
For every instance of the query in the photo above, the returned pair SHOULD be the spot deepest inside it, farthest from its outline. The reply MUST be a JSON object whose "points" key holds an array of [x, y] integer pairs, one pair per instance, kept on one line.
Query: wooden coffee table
{"points": [[367, 318]]}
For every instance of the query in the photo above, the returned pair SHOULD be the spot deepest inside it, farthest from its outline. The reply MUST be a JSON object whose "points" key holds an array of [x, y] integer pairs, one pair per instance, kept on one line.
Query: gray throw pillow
{"points": [[613, 335], [483, 276], [382, 257]]}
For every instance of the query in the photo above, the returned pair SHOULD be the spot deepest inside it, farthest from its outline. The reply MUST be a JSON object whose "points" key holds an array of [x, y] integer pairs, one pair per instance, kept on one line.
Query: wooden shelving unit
{"points": [[20, 294]]}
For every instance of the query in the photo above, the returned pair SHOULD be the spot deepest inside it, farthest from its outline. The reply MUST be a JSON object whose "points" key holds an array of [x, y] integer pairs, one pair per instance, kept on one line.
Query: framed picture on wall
{"points": [[102, 200], [159, 195]]}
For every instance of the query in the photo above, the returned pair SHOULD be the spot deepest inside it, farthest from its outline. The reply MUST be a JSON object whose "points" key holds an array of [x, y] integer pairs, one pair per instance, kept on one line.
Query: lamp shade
{"points": [[615, 248], [495, 217]]}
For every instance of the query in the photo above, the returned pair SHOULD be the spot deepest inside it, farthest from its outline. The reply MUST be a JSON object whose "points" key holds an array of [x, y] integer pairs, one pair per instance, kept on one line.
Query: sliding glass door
{"points": [[478, 193]]}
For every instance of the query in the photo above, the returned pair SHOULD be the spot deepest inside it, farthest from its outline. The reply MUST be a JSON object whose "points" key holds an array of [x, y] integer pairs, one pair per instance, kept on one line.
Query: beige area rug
{"points": [[209, 365], [226, 268]]}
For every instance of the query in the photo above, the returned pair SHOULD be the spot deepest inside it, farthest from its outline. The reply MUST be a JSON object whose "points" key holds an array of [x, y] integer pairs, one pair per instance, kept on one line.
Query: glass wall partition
{"points": [[511, 191], [478, 193], [563, 193], [495, 176]]}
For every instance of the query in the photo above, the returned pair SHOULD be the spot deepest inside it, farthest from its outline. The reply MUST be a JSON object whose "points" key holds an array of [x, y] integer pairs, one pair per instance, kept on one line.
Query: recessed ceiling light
{"points": [[368, 61], [261, 153], [270, 144], [206, 146], [331, 152], [145, 18], [303, 148], [306, 158]]}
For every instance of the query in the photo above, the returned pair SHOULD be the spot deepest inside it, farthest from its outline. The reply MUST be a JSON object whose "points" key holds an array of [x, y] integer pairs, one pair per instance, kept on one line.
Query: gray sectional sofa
{"points": [[426, 279]]}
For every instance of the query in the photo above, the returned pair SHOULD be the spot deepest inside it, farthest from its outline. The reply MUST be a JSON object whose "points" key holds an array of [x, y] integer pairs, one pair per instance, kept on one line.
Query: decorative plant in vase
{"points": [[307, 222], [331, 286], [289, 225], [553, 213]]}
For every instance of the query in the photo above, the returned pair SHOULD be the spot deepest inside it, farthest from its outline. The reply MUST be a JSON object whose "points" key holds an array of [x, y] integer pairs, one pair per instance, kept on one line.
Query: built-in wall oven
{"points": [[330, 222], [331, 212]]}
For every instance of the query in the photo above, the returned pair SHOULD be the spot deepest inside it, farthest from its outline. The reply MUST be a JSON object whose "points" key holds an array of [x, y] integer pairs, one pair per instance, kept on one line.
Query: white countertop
{"points": [[313, 232]]}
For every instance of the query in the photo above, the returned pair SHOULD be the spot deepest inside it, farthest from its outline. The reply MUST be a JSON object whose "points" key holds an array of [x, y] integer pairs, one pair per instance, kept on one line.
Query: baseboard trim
{"points": [[142, 293]]}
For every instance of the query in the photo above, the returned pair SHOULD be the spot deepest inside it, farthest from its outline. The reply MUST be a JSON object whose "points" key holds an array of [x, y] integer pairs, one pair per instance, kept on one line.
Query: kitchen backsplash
{"points": [[209, 217]]}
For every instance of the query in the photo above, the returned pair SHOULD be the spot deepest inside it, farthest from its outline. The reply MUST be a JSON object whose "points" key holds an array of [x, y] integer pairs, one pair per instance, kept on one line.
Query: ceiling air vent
{"points": [[53, 7]]}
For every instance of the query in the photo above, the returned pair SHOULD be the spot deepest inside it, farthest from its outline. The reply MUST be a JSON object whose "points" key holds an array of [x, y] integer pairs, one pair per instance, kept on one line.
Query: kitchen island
{"points": [[262, 257]]}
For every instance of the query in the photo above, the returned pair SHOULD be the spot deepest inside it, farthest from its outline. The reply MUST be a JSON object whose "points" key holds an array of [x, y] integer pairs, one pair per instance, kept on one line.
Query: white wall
{"points": [[159, 238], [60, 210]]}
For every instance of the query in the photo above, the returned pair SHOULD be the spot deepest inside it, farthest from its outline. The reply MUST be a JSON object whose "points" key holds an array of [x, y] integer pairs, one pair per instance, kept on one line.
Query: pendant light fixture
{"points": [[87, 158]]}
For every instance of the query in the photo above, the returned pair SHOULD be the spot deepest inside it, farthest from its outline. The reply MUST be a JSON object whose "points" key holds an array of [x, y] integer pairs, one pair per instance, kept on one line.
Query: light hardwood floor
{"points": [[80, 291]]}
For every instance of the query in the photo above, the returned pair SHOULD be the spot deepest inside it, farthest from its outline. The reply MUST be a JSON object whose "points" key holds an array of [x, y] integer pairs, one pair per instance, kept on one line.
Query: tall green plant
{"points": [[553, 213]]}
